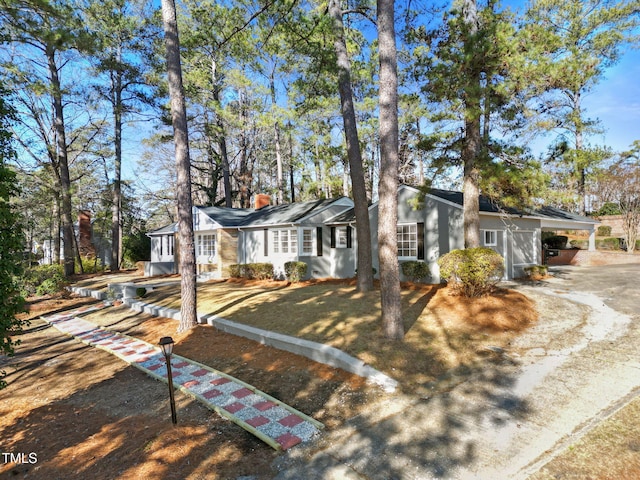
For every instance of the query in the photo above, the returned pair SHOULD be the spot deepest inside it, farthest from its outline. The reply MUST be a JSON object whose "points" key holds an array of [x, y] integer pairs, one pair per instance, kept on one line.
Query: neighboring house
{"points": [[322, 234], [89, 242]]}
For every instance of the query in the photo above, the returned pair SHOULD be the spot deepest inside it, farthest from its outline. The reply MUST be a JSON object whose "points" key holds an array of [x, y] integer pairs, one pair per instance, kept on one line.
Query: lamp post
{"points": [[166, 344]]}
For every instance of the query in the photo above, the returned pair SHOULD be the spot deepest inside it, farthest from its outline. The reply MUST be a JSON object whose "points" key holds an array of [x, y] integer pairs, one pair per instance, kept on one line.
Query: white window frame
{"points": [[407, 233], [207, 245], [307, 247], [170, 245], [285, 241], [490, 238], [341, 237]]}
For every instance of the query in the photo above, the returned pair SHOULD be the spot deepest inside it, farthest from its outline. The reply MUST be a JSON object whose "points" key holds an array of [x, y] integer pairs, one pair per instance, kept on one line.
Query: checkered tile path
{"points": [[275, 423]]}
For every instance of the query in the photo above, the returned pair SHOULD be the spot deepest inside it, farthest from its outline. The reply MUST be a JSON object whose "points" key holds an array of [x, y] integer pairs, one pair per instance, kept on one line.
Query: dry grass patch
{"points": [[443, 331], [617, 440]]}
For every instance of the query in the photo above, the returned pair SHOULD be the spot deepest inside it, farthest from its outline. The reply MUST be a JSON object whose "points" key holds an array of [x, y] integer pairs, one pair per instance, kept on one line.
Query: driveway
{"points": [[578, 365], [617, 285]]}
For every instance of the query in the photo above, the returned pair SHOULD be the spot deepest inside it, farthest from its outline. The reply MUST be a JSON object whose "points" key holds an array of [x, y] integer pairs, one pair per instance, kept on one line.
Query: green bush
{"points": [[295, 271], [235, 270], [556, 241], [42, 280], [259, 271], [89, 265], [474, 272], [604, 231], [141, 292], [609, 208], [536, 270], [611, 243], [415, 270], [136, 248], [579, 244]]}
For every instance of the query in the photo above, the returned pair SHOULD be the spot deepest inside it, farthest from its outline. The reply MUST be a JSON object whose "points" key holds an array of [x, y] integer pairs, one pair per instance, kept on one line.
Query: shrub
{"points": [[611, 243], [604, 231], [90, 265], [534, 271], [556, 241], [141, 292], [260, 271], [42, 280], [295, 271], [136, 247], [579, 244], [235, 270], [609, 208], [474, 272], [415, 270]]}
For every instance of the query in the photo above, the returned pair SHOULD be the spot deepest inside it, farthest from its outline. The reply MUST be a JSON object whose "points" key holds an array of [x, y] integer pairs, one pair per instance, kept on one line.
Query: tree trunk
{"points": [[63, 164], [278, 146], [358, 186], [56, 227], [222, 140], [245, 175], [188, 315], [388, 188], [580, 163], [116, 208], [472, 132]]}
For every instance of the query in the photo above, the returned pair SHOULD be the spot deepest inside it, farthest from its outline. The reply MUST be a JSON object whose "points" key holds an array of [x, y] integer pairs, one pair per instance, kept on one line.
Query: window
{"points": [[490, 238], [170, 244], [341, 237], [408, 240], [307, 241], [285, 241], [206, 245]]}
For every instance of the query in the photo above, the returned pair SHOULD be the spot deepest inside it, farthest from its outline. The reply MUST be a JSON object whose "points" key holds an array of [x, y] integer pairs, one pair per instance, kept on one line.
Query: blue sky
{"points": [[616, 102]]}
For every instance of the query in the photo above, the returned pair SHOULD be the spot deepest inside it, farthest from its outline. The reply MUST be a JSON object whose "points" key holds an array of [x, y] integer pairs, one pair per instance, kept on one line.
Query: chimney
{"points": [[262, 200], [84, 233]]}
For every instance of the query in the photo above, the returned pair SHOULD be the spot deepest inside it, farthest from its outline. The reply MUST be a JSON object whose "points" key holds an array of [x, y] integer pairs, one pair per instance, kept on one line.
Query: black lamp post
{"points": [[166, 344]]}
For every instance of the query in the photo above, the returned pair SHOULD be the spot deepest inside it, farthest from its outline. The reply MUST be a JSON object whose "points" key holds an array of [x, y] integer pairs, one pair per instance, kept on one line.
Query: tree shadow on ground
{"points": [[86, 414], [438, 436]]}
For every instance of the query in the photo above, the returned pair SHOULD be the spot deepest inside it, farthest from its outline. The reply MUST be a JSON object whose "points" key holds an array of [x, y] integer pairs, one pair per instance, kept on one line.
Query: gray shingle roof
{"points": [[228, 217], [489, 206], [171, 228], [288, 213]]}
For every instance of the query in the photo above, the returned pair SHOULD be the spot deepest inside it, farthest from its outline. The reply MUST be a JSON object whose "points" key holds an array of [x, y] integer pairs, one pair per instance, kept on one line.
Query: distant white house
{"points": [[322, 234]]}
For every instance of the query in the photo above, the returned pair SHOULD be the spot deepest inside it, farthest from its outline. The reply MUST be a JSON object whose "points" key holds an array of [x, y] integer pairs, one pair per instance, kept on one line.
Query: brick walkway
{"points": [[275, 423]]}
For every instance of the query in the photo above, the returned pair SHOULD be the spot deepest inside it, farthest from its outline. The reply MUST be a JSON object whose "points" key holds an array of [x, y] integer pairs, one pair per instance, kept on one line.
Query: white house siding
{"points": [[442, 224], [162, 255], [518, 241]]}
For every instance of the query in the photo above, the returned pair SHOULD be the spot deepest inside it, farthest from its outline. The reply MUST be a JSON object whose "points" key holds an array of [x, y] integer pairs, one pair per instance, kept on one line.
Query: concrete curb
{"points": [[317, 352]]}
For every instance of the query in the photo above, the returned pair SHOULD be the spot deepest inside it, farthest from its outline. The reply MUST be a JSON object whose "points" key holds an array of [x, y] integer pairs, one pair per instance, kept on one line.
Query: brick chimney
{"points": [[262, 200], [84, 234]]}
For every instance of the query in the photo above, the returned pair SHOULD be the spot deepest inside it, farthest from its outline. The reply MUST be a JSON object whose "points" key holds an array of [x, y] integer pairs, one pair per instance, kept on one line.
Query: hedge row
{"points": [[259, 271]]}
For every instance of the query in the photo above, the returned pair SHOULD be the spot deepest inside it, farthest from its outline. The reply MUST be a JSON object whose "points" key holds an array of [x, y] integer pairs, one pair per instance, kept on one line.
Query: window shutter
{"points": [[319, 241], [420, 241], [349, 231], [266, 242], [333, 237]]}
